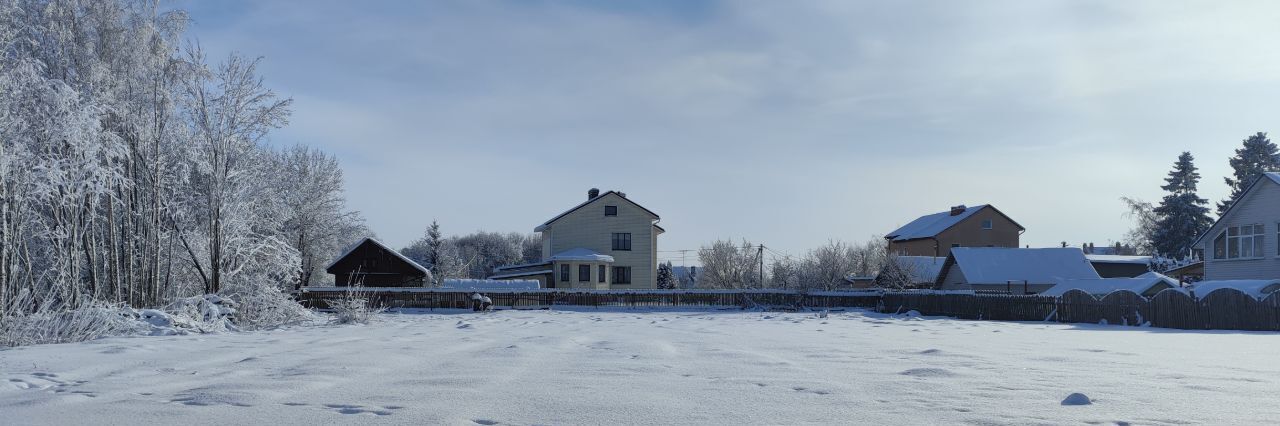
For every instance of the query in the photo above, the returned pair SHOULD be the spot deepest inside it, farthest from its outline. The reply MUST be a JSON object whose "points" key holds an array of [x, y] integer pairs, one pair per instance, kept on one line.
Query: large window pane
{"points": [[1220, 246]]}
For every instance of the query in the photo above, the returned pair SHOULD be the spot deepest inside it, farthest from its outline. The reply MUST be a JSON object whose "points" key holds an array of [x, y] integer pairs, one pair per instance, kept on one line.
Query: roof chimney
{"points": [[593, 193], [622, 194], [956, 210]]}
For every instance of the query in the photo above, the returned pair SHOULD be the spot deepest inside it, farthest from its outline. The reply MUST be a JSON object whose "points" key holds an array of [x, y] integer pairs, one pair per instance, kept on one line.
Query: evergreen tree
{"points": [[1182, 215], [433, 241], [666, 276], [1257, 156]]}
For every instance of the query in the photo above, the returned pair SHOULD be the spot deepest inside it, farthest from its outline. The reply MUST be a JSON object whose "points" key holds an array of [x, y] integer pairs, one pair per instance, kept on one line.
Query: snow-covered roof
{"points": [[415, 265], [1258, 289], [931, 225], [991, 265], [1111, 258], [922, 268], [1104, 286], [581, 254], [522, 265], [546, 224], [489, 284], [519, 274]]}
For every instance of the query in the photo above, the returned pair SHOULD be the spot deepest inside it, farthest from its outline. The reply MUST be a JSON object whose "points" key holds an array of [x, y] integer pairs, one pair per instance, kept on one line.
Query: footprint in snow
{"points": [[486, 422]]}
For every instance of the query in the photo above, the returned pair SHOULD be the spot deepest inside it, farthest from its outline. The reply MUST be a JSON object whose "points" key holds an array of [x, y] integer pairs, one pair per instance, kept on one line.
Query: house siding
{"points": [[967, 233], [1261, 205], [589, 228]]}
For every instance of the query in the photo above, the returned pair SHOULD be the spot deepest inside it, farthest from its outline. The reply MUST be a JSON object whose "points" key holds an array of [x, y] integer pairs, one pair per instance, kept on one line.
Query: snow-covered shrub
{"points": [[33, 325], [262, 307], [353, 307]]}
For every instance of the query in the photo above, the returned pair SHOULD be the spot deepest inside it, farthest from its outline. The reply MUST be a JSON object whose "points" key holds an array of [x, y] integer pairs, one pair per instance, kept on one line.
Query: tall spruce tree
{"points": [[1182, 215], [1258, 155]]}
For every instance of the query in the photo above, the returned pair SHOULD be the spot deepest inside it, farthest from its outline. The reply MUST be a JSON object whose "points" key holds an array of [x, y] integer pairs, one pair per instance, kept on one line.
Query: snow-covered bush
{"points": [[27, 324], [262, 307], [353, 307]]}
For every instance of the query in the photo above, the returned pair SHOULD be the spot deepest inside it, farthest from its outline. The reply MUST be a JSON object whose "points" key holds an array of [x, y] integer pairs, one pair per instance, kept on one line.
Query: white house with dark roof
{"points": [[1013, 270], [607, 242], [1242, 244], [934, 235]]}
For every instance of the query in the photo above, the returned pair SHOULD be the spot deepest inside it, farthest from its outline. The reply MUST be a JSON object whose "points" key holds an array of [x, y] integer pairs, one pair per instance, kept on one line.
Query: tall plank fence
{"points": [[1224, 309]]}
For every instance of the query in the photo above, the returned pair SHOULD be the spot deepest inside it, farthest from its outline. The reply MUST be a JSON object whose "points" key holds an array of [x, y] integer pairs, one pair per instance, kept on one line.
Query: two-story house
{"points": [[607, 242], [935, 234], [1244, 244]]}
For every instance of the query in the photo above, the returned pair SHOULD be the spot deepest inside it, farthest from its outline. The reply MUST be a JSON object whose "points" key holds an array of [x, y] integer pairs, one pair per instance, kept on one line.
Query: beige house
{"points": [[607, 242], [935, 234], [1245, 242]]}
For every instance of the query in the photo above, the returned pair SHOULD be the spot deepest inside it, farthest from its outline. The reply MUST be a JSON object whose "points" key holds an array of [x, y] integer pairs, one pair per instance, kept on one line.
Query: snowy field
{"points": [[587, 367]]}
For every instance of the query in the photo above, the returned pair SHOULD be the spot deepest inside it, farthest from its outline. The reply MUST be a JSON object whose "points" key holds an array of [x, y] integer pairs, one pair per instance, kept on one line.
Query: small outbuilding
{"points": [[1012, 270], [372, 264]]}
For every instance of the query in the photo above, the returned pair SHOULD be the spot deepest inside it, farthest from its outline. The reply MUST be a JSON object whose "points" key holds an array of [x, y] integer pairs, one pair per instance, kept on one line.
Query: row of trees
{"points": [[727, 265], [1169, 228], [133, 170], [472, 255]]}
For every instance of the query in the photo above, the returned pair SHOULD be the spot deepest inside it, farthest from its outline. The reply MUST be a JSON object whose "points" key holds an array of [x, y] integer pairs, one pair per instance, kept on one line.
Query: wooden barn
{"points": [[373, 264]]}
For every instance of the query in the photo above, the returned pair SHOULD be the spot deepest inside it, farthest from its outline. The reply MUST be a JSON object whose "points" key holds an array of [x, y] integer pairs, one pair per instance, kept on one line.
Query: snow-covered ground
{"points": [[559, 367]]}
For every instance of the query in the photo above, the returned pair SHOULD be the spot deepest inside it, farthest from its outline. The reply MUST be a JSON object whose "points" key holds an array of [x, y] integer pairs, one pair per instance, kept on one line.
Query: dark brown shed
{"points": [[373, 264]]}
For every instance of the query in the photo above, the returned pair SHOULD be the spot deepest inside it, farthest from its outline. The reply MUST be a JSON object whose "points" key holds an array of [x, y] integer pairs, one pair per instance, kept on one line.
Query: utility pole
{"points": [[760, 254]]}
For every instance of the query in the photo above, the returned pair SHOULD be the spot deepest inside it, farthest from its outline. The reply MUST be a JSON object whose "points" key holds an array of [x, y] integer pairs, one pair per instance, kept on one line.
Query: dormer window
{"points": [[610, 210], [986, 224]]}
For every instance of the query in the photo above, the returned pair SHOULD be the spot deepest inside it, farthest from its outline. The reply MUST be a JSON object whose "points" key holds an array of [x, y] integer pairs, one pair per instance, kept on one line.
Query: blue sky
{"points": [[787, 123]]}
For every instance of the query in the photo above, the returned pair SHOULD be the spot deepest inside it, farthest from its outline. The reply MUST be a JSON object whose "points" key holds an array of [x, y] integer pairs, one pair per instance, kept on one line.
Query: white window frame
{"points": [[1239, 245]]}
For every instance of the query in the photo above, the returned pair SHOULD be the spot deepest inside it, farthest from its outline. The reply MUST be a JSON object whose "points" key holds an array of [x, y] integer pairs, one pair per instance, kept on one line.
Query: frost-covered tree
{"points": [[316, 220], [236, 221], [726, 265], [130, 173], [666, 276], [1182, 215], [1142, 234], [1257, 156]]}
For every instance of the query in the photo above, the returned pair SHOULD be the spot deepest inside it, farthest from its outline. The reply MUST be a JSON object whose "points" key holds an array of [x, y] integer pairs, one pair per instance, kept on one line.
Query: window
{"points": [[601, 272], [584, 273], [986, 224], [564, 273], [622, 275], [610, 210], [955, 245], [1240, 242], [622, 241]]}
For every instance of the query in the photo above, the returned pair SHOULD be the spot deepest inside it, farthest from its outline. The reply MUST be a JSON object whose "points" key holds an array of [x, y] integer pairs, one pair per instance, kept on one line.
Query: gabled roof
{"points": [[929, 226], [544, 225], [1271, 176], [994, 265], [415, 265]]}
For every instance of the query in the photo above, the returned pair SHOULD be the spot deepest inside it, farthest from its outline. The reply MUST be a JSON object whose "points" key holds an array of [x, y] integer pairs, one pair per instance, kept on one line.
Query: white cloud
{"points": [[787, 122]]}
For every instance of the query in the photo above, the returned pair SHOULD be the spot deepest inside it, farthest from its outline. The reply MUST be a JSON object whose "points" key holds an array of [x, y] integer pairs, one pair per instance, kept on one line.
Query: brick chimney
{"points": [[593, 193], [957, 210]]}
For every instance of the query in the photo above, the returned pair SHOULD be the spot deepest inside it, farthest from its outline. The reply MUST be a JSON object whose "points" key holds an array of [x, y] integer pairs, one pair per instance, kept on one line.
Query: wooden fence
{"points": [[533, 299], [1225, 309]]}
